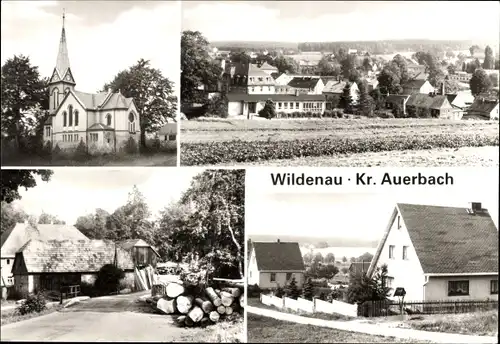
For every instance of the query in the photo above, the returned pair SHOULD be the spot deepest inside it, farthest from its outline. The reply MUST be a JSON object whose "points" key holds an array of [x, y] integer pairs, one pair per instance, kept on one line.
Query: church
{"points": [[104, 121]]}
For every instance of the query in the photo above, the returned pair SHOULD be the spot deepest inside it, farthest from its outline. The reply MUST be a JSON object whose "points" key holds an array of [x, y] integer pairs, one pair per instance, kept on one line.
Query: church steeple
{"points": [[62, 80]]}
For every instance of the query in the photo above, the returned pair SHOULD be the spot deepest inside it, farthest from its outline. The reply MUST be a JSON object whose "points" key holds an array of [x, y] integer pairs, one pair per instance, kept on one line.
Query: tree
{"points": [[365, 257], [10, 215], [378, 99], [285, 64], [152, 93], [489, 60], [268, 111], [24, 96], [279, 292], [330, 258], [451, 69], [241, 57], [366, 105], [450, 54], [451, 86], [325, 67], [479, 82], [217, 106], [308, 293], [473, 49], [348, 66], [344, 270], [472, 66], [48, 219], [291, 290], [352, 259], [197, 68], [318, 258], [308, 257], [346, 99], [13, 179], [389, 81], [363, 288], [322, 244], [207, 223], [94, 225], [327, 271], [344, 259], [494, 80]]}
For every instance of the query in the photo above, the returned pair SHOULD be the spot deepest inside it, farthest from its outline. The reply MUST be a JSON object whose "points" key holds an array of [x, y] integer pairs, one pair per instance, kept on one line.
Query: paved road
{"points": [[355, 326], [111, 318]]}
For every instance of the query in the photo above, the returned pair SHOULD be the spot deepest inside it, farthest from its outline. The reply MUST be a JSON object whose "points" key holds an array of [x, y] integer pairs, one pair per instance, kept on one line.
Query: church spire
{"points": [[62, 64]]}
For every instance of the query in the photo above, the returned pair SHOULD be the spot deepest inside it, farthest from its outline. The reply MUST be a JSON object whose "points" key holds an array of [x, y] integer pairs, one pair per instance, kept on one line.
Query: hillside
{"points": [[330, 241]]}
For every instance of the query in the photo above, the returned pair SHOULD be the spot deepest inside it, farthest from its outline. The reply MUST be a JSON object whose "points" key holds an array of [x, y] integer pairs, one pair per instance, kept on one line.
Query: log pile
{"points": [[199, 305]]}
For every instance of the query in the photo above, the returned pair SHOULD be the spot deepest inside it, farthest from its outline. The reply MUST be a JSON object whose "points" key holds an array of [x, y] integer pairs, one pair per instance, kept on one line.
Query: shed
{"points": [[142, 253]]}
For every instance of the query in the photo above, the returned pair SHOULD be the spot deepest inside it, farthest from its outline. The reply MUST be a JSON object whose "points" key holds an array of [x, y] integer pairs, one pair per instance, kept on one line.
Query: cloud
{"points": [[97, 52]]}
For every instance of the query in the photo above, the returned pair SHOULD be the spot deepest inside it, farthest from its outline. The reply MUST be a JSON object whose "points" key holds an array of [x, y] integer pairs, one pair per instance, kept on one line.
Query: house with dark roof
{"points": [[273, 264], [440, 253], [12, 240], [359, 267], [104, 121], [51, 264], [306, 85], [437, 106], [418, 86], [483, 108]]}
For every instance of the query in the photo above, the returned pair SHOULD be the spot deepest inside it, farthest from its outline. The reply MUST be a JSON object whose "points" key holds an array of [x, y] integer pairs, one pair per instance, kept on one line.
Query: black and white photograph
{"points": [[381, 266], [150, 254], [88, 83], [339, 83]]}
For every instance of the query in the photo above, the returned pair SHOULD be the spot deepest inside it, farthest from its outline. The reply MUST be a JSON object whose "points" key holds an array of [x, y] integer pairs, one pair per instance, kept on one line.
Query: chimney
{"points": [[278, 241], [475, 206]]}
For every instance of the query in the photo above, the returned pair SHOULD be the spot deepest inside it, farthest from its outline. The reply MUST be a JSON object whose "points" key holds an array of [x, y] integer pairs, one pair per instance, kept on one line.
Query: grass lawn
{"points": [[150, 159], [478, 323], [279, 130], [11, 315], [268, 330]]}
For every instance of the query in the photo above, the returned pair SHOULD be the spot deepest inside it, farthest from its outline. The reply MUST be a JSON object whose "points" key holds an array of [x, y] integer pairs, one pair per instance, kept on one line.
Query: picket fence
{"points": [[315, 306]]}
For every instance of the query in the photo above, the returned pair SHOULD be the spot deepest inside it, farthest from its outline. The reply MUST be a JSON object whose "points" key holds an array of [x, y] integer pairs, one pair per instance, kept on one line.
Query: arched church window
{"points": [[108, 119], [55, 96], [70, 110], [76, 118], [65, 119], [131, 124]]}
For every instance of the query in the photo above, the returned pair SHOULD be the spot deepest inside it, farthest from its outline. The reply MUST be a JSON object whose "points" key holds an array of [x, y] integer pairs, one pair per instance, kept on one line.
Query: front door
{"points": [[252, 107]]}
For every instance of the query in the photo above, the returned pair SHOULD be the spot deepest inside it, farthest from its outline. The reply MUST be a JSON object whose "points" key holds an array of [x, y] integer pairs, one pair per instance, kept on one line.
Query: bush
{"points": [[108, 279], [47, 148], [268, 111], [88, 289], [210, 153], [279, 292], [81, 151], [253, 290], [34, 303], [131, 146], [57, 150], [292, 291], [308, 293]]}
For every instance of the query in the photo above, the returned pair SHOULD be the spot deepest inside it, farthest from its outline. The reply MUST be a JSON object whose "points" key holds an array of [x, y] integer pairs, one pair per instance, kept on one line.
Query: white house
{"points": [[418, 86], [273, 264], [440, 253], [12, 240], [104, 121]]}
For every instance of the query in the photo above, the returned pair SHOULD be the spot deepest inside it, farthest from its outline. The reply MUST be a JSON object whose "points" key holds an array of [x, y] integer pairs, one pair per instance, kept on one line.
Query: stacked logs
{"points": [[201, 306]]}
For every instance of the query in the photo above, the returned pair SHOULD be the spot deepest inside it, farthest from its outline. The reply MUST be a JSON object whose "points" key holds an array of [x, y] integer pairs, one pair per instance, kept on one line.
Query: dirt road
{"points": [[110, 318]]}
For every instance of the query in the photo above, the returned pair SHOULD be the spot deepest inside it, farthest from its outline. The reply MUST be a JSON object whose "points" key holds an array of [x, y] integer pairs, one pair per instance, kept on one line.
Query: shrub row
{"points": [[336, 113], [247, 151]]}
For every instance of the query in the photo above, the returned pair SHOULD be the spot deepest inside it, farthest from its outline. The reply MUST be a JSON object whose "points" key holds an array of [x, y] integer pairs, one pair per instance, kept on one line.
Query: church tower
{"points": [[62, 79]]}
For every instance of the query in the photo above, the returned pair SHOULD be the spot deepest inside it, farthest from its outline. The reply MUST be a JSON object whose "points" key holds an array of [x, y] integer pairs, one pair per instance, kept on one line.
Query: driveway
{"points": [[110, 318]]}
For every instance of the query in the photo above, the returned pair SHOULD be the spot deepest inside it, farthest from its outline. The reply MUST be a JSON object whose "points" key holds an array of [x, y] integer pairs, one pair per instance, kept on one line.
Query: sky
{"points": [[74, 192], [103, 37], [300, 21], [353, 212]]}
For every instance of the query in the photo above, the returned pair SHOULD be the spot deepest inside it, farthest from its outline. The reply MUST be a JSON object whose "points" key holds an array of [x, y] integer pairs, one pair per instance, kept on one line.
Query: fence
{"points": [[386, 308], [315, 306]]}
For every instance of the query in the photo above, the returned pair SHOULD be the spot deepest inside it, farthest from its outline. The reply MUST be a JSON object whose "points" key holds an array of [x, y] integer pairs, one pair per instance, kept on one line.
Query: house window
{"points": [[391, 251], [493, 286], [253, 89], [76, 137], [399, 222], [261, 88], [76, 118], [8, 262], [405, 252], [291, 106], [288, 276], [108, 119], [285, 105], [296, 105], [65, 119], [47, 131], [70, 110], [279, 106], [388, 282], [273, 277], [55, 96], [458, 288], [94, 137]]}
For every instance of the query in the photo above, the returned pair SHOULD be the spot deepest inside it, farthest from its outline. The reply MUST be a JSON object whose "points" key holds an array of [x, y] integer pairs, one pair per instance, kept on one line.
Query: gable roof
{"points": [[38, 256], [483, 106], [414, 84], [426, 101], [12, 240], [334, 86], [449, 240], [267, 66], [278, 256], [359, 267], [303, 82], [130, 243]]}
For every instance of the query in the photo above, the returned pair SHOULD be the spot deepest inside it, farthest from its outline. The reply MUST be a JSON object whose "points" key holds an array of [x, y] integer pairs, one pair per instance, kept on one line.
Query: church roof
{"points": [[99, 127], [62, 63]]}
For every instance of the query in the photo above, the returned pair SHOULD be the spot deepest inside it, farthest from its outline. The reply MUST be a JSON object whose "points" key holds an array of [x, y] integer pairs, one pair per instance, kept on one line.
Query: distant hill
{"points": [[253, 45], [303, 240]]}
